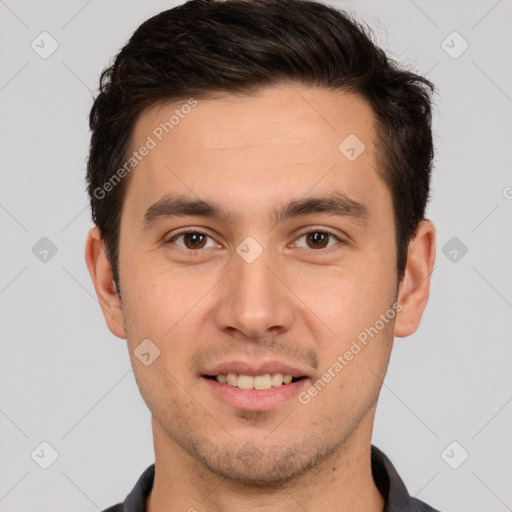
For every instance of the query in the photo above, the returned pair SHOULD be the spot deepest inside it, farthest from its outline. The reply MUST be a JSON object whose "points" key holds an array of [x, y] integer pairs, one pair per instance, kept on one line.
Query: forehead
{"points": [[253, 150]]}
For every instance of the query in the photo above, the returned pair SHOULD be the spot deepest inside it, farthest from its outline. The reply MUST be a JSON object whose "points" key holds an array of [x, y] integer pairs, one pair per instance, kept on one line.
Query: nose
{"points": [[256, 302]]}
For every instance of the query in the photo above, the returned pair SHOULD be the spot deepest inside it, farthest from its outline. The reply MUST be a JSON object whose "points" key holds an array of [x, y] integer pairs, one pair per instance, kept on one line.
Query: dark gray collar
{"points": [[386, 478]]}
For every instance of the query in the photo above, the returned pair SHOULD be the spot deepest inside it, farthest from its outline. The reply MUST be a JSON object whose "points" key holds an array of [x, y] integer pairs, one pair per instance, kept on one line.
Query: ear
{"points": [[102, 277], [415, 286]]}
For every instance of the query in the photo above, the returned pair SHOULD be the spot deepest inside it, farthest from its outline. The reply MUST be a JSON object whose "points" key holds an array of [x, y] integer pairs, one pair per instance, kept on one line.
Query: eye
{"points": [[318, 239], [192, 239]]}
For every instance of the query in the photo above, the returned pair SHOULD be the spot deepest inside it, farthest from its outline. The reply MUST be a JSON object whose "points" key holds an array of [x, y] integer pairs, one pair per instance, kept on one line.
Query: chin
{"points": [[267, 467]]}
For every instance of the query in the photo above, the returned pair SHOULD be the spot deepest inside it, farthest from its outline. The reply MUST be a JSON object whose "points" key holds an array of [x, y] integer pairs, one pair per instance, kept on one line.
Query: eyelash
{"points": [[197, 252]]}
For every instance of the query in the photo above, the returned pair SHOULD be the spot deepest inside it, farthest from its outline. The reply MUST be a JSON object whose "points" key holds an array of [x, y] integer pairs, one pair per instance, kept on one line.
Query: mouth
{"points": [[254, 387], [254, 382]]}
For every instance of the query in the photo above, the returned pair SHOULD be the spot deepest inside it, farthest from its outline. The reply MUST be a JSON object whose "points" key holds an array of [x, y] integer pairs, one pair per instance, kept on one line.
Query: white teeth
{"points": [[245, 382], [277, 379], [263, 381], [260, 382], [231, 379]]}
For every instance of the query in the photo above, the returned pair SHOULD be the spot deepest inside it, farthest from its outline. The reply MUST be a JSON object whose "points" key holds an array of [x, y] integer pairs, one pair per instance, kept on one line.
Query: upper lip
{"points": [[253, 368]]}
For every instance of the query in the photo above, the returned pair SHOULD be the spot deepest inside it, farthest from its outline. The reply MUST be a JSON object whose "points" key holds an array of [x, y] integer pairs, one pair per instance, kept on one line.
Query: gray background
{"points": [[65, 379]]}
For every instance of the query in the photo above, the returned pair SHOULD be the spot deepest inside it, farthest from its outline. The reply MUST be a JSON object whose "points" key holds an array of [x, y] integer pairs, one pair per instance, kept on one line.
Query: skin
{"points": [[250, 154]]}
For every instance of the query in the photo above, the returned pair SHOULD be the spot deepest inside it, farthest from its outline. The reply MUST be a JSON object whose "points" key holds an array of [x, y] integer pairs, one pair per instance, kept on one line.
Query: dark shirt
{"points": [[384, 474]]}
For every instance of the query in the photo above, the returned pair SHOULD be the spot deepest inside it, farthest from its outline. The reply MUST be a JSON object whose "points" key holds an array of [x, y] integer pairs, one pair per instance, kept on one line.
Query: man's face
{"points": [[291, 296]]}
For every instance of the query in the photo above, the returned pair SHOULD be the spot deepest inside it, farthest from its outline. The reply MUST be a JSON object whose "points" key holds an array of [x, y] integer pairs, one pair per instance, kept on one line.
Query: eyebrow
{"points": [[337, 204]]}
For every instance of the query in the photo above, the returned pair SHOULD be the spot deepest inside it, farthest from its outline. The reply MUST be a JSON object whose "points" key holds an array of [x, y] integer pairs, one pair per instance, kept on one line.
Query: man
{"points": [[258, 176]]}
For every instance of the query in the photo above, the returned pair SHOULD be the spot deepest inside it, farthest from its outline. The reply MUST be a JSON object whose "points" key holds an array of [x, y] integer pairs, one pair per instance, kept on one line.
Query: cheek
{"points": [[160, 388], [351, 375], [167, 309], [347, 300], [156, 296], [358, 309]]}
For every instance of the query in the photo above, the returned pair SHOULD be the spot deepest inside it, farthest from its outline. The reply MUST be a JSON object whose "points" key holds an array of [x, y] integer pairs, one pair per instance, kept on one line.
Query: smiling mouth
{"points": [[257, 382]]}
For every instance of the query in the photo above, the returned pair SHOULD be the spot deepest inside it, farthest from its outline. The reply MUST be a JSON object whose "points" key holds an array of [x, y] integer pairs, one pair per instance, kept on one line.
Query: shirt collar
{"points": [[386, 479]]}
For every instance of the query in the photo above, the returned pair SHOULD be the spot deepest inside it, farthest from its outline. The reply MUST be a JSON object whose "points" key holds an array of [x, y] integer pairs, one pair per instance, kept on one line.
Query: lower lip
{"points": [[252, 399]]}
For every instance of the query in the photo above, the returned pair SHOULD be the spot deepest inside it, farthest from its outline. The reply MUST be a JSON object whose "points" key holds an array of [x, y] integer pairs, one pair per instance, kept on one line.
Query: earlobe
{"points": [[100, 271], [415, 287]]}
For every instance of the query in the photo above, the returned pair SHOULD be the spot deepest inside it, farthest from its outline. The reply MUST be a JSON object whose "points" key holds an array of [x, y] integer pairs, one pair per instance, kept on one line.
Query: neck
{"points": [[341, 482]]}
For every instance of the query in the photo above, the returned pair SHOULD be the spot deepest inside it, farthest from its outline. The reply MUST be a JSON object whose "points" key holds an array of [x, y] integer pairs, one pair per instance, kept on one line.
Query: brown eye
{"points": [[194, 240], [318, 239]]}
